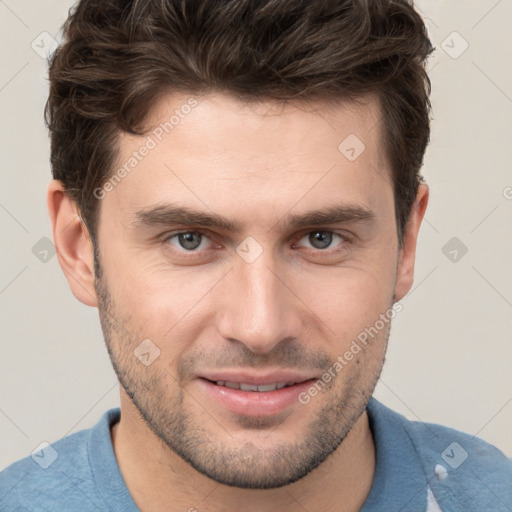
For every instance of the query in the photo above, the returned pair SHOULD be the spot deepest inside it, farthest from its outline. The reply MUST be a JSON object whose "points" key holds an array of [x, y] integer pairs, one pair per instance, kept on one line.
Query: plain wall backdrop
{"points": [[450, 353]]}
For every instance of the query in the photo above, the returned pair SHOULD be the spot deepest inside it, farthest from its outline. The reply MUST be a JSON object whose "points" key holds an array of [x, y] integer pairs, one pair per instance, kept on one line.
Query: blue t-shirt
{"points": [[420, 467]]}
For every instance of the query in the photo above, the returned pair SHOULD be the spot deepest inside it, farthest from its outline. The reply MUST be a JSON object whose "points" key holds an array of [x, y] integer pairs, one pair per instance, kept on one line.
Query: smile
{"points": [[253, 387]]}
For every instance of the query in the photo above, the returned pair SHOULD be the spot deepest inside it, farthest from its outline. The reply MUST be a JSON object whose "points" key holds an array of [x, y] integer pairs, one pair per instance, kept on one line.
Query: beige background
{"points": [[450, 355]]}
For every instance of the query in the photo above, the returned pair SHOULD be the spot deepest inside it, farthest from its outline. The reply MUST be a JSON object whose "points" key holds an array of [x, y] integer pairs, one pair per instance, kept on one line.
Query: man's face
{"points": [[272, 301]]}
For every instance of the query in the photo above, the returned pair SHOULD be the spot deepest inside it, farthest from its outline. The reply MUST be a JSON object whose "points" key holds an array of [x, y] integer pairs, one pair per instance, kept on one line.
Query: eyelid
{"points": [[171, 234], [345, 238]]}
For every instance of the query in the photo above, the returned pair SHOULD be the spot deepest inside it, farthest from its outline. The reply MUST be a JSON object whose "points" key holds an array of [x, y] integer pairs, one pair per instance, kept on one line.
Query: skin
{"points": [[298, 305]]}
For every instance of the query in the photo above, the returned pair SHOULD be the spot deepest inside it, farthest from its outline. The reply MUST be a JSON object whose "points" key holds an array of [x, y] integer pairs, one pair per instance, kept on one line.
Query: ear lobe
{"points": [[72, 241], [405, 271]]}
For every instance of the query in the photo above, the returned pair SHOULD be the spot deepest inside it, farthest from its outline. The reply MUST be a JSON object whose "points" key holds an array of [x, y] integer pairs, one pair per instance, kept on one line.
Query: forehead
{"points": [[219, 120], [217, 151]]}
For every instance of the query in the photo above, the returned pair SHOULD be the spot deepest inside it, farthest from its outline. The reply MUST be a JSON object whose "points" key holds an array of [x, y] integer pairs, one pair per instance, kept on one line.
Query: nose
{"points": [[258, 306]]}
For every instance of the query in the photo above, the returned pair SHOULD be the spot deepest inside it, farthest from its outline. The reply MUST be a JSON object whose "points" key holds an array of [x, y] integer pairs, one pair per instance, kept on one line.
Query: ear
{"points": [[405, 270], [73, 243]]}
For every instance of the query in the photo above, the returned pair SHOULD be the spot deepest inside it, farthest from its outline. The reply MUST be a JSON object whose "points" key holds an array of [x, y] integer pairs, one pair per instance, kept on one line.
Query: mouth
{"points": [[254, 387], [265, 398]]}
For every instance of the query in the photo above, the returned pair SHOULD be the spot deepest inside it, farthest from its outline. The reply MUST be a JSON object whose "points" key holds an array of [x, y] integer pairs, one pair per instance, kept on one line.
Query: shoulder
{"points": [[56, 473], [44, 475], [463, 471]]}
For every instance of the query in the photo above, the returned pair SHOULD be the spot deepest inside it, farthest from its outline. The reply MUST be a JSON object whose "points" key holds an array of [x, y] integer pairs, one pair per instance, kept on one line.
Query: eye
{"points": [[199, 243], [321, 239], [190, 241]]}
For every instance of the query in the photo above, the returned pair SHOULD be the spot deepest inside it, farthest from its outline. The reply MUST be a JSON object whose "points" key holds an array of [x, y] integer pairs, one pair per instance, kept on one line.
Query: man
{"points": [[237, 190]]}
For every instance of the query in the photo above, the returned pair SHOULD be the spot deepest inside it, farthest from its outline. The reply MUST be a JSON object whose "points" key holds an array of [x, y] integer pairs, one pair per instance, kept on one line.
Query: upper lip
{"points": [[250, 377]]}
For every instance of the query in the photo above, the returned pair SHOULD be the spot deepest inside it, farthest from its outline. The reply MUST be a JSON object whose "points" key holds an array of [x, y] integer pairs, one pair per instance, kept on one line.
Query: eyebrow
{"points": [[170, 214]]}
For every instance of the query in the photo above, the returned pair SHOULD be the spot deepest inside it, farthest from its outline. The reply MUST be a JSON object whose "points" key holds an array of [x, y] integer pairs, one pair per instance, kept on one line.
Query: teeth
{"points": [[248, 387], [267, 387], [253, 387]]}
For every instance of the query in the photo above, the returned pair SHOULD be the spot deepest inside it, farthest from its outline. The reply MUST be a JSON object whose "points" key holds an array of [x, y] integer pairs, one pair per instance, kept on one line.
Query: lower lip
{"points": [[255, 403]]}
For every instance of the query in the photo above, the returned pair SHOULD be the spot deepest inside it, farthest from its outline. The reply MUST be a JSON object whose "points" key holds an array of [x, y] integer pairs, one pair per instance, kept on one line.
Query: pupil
{"points": [[320, 239], [190, 240]]}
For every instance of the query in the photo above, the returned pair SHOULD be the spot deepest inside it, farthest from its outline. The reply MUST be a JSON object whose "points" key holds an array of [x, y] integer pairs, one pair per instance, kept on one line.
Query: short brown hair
{"points": [[118, 56]]}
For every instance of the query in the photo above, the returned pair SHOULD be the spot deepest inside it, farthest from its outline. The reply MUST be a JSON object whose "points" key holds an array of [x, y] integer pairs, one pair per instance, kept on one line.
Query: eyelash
{"points": [[345, 239]]}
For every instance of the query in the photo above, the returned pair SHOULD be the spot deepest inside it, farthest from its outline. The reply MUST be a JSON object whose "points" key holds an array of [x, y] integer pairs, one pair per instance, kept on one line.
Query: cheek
{"points": [[351, 299], [164, 305]]}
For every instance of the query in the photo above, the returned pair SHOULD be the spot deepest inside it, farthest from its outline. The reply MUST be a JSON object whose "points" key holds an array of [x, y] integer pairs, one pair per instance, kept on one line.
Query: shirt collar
{"points": [[399, 482]]}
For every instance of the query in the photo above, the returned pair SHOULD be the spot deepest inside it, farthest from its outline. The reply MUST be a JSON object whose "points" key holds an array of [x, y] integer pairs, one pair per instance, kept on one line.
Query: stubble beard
{"points": [[161, 401]]}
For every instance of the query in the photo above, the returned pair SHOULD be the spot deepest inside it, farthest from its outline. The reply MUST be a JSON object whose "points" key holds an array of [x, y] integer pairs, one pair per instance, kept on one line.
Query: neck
{"points": [[157, 477]]}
